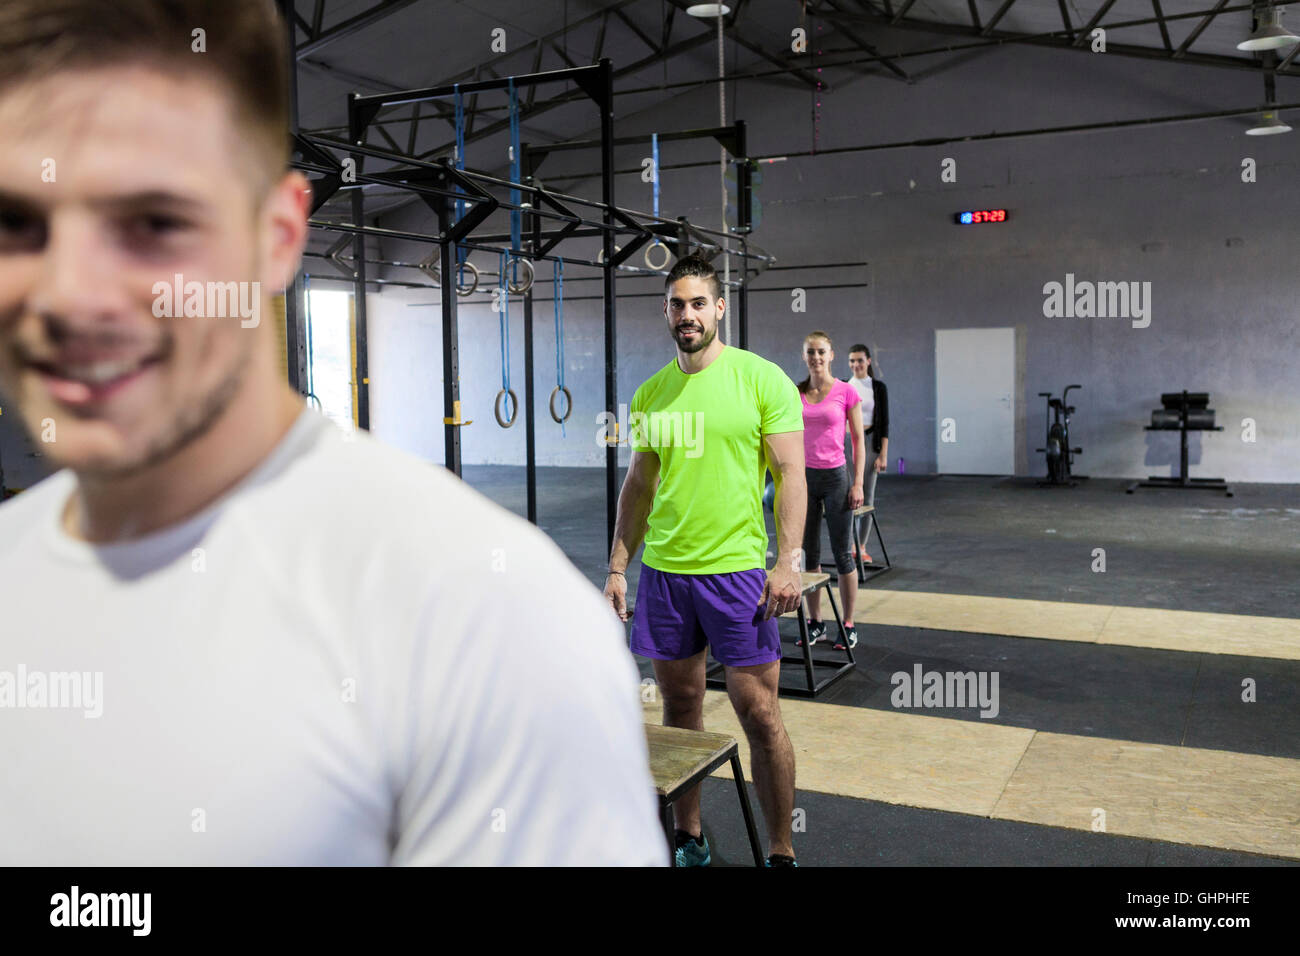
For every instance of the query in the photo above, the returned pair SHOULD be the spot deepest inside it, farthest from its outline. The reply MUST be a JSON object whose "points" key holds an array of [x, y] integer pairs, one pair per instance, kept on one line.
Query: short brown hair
{"points": [[245, 49]]}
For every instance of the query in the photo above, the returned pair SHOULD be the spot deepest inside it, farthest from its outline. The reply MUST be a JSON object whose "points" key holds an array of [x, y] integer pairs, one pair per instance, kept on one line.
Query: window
{"points": [[329, 353]]}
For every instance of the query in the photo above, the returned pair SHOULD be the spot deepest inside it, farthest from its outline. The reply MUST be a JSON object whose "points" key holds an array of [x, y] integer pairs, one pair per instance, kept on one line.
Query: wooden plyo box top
{"points": [[680, 757]]}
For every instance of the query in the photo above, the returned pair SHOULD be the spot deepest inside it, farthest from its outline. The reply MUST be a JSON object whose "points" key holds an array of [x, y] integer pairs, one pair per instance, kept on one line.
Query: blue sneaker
{"points": [[816, 632], [690, 853], [777, 859]]}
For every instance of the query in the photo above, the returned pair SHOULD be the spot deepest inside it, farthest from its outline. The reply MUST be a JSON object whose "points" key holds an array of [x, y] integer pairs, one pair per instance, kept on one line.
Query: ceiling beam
{"points": [[637, 30], [350, 26], [551, 103], [1056, 39], [863, 44], [1164, 27], [1065, 18], [808, 79], [1002, 12], [1191, 37], [1091, 25], [902, 11]]}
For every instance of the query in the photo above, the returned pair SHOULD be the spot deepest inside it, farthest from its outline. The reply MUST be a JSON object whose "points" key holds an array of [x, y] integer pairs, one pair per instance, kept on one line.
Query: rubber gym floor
{"points": [[1122, 736]]}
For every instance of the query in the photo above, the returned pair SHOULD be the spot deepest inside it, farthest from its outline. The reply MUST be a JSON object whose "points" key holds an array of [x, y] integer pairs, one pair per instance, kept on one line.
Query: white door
{"points": [[975, 378]]}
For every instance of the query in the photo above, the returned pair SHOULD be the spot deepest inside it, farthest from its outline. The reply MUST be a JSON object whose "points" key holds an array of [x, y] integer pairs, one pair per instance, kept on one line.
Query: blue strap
{"points": [[558, 294], [460, 165], [505, 323], [654, 154], [516, 218]]}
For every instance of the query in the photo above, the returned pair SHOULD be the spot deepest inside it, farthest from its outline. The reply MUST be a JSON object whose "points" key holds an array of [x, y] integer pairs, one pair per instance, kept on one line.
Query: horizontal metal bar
{"points": [[400, 97], [483, 179], [711, 133]]}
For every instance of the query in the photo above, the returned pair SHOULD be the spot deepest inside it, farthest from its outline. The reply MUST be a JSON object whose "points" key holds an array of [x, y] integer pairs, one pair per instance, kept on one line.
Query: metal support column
{"points": [[744, 194], [605, 102], [359, 265], [448, 268], [533, 226], [295, 329]]}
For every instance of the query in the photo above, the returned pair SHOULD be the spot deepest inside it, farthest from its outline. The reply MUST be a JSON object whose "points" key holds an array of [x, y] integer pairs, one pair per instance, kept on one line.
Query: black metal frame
{"points": [[874, 568], [667, 800], [814, 685], [1062, 409], [439, 184], [1182, 480]]}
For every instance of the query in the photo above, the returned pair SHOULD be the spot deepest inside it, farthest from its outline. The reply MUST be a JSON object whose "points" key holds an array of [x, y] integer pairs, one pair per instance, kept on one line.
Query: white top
{"points": [[863, 385], [352, 658]]}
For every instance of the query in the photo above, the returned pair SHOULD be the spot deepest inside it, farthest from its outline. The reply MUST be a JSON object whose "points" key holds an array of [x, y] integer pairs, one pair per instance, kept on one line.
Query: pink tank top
{"points": [[823, 426]]}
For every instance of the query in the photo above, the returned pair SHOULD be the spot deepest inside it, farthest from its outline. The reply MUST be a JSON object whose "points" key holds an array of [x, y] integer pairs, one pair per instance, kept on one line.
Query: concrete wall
{"points": [[1164, 205]]}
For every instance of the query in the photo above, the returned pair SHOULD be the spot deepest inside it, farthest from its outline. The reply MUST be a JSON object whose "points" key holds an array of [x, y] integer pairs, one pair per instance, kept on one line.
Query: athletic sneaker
{"points": [[691, 851], [816, 632], [778, 859], [853, 639]]}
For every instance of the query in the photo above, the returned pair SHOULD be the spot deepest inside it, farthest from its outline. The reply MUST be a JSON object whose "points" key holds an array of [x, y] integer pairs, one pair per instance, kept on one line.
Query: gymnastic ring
{"points": [[527, 283], [600, 256], [464, 290], [667, 255], [496, 407], [568, 409]]}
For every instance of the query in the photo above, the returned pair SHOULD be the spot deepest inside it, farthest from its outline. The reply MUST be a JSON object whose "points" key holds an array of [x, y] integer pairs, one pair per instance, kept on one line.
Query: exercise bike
{"points": [[1060, 456]]}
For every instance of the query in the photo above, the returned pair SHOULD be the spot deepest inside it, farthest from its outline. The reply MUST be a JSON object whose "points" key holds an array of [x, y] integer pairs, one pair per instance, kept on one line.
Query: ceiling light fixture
{"points": [[708, 10], [1269, 125], [1269, 33]]}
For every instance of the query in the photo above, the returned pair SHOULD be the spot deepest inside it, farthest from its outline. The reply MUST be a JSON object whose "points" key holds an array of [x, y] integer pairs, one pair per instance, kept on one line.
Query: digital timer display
{"points": [[971, 217]]}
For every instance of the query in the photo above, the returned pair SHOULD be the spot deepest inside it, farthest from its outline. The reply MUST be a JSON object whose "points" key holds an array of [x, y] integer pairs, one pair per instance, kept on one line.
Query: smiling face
{"points": [[693, 313], [817, 355], [150, 178], [859, 362]]}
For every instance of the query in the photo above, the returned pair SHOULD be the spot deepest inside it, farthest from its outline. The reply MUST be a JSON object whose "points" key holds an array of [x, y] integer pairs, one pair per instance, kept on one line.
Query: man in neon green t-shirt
{"points": [[704, 429]]}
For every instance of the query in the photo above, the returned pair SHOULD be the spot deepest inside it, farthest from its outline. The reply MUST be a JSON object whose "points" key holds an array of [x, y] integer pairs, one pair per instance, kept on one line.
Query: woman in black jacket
{"points": [[875, 416]]}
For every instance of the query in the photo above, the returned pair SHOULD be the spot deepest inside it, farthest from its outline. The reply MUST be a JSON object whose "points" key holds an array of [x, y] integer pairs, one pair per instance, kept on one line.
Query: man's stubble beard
{"points": [[187, 426], [705, 341]]}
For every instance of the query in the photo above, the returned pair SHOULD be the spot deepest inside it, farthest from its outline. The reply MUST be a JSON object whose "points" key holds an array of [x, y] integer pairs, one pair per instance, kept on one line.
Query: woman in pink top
{"points": [[828, 406]]}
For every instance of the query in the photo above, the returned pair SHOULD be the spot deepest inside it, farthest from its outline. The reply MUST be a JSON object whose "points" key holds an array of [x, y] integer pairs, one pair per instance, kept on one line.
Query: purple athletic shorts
{"points": [[676, 615]]}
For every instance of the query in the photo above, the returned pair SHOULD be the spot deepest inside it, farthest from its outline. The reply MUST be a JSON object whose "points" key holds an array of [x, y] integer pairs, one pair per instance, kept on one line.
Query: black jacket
{"points": [[879, 427]]}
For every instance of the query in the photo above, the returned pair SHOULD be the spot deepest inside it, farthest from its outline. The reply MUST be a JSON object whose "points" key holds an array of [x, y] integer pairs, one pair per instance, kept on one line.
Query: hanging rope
{"points": [[557, 292], [506, 395]]}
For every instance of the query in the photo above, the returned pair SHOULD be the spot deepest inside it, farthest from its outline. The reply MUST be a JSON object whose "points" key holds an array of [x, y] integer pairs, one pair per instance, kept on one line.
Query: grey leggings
{"points": [[828, 490]]}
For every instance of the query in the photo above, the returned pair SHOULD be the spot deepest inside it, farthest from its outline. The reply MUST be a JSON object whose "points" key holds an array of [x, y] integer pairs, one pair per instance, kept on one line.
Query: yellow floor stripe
{"points": [[1200, 632], [1201, 797]]}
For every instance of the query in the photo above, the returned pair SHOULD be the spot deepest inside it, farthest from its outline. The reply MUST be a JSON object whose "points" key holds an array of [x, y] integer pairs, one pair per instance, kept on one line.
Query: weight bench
{"points": [[680, 759], [811, 581]]}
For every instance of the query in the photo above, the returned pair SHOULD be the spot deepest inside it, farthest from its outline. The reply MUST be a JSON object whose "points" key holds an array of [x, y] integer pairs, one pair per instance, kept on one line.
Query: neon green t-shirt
{"points": [[707, 429]]}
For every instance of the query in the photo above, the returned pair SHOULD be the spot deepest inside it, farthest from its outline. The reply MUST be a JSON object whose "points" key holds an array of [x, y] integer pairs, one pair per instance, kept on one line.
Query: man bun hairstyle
{"points": [[695, 266]]}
